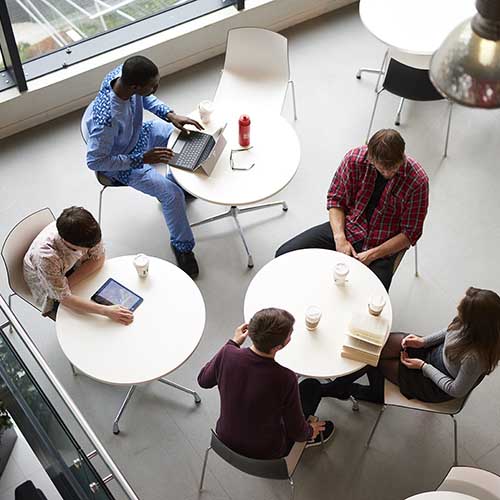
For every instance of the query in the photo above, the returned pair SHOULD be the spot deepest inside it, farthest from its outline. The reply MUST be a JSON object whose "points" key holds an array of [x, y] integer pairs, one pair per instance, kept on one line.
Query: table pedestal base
{"points": [[233, 212], [116, 428]]}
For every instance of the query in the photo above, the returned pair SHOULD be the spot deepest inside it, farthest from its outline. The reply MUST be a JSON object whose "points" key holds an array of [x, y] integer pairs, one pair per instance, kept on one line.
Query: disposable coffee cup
{"points": [[313, 315], [376, 305], [205, 108], [141, 264], [340, 273]]}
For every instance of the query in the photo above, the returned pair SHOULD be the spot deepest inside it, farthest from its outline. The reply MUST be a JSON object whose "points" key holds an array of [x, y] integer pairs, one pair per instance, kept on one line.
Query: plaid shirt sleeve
{"points": [[412, 220], [340, 194]]}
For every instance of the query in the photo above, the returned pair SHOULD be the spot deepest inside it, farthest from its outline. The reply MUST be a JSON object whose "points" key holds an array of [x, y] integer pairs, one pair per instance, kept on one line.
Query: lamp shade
{"points": [[466, 68]]}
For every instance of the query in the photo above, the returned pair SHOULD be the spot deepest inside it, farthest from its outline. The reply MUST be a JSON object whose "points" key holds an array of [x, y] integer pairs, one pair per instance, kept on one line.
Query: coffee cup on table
{"points": [[205, 109], [141, 264], [340, 273], [313, 315], [376, 304]]}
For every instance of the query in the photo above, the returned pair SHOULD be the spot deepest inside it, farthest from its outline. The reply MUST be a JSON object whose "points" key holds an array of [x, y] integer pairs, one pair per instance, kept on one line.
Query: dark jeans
{"points": [[310, 396], [322, 237]]}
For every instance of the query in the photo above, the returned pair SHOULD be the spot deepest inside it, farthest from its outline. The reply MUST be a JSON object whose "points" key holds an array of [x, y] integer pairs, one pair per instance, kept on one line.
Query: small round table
{"points": [[298, 279], [414, 26], [441, 495], [166, 330], [275, 154]]}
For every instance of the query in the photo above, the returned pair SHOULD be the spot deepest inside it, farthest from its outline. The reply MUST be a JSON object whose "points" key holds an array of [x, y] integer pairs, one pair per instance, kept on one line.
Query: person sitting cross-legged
{"points": [[439, 367], [263, 410], [377, 203], [124, 148], [65, 253]]}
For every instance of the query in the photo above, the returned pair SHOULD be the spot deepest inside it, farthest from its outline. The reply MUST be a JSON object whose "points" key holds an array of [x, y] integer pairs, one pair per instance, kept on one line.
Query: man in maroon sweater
{"points": [[261, 405]]}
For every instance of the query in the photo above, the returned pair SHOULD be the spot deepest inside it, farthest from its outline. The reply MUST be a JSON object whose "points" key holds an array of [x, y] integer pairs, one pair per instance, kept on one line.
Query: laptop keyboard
{"points": [[191, 155]]}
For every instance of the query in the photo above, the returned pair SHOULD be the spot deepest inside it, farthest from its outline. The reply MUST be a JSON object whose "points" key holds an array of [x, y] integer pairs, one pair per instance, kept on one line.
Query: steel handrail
{"points": [[115, 471]]}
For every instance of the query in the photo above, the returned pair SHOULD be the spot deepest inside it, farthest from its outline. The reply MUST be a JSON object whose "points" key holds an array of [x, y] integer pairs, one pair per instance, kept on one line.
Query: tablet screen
{"points": [[114, 293]]}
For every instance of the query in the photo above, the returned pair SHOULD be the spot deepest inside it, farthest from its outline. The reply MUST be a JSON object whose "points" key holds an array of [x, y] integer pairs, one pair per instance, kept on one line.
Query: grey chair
{"points": [[279, 468], [14, 249], [393, 397], [399, 258], [409, 83], [104, 181]]}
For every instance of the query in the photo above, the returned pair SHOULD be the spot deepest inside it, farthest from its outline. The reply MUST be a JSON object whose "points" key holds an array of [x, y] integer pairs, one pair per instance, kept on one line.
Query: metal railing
{"points": [[98, 448]]}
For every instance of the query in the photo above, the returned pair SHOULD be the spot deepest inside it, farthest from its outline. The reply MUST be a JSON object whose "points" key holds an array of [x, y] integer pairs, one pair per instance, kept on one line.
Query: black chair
{"points": [[408, 83], [104, 181], [278, 468], [28, 491]]}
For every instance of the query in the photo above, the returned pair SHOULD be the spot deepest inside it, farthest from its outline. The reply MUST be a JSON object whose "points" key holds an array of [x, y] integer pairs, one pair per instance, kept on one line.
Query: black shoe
{"points": [[324, 436], [187, 262]]}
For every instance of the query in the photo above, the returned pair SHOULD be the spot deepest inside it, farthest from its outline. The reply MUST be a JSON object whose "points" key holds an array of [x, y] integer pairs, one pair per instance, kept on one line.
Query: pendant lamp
{"points": [[466, 68]]}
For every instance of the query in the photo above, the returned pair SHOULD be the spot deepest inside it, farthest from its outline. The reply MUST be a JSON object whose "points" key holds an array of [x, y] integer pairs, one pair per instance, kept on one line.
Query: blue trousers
{"points": [[171, 196]]}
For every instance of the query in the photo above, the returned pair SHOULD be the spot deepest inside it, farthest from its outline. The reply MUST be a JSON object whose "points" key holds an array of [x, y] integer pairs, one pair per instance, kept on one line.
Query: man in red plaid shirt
{"points": [[377, 204]]}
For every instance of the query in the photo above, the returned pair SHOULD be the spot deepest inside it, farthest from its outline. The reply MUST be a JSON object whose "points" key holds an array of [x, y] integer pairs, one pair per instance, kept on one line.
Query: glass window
{"points": [[45, 26]]}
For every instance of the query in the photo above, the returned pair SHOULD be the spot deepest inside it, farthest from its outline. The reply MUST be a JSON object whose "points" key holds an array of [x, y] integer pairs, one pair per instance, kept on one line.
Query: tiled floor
{"points": [[164, 434]]}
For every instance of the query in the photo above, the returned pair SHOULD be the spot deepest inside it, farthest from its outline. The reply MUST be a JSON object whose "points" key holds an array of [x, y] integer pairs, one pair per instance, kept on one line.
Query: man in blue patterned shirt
{"points": [[123, 147]]}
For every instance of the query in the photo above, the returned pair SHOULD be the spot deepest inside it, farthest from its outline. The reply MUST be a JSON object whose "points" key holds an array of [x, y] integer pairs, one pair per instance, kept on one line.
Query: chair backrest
{"points": [[17, 244], [269, 469], [471, 481], [398, 259], [256, 72], [410, 83]]}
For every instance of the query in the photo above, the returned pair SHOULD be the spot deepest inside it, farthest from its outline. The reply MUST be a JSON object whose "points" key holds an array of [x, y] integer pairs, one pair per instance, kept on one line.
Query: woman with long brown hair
{"points": [[445, 365]]}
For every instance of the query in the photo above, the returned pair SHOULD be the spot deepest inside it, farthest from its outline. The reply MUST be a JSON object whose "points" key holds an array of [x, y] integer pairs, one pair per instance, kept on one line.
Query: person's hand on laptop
{"points": [[157, 155], [180, 121], [119, 314]]}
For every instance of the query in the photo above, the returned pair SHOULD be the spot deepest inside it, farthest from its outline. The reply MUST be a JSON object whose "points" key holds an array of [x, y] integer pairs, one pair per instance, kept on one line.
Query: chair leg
{"points": [[9, 303], [292, 487], [448, 132], [416, 261], [375, 426], [73, 369], [100, 204], [355, 404], [397, 121], [204, 467], [373, 116], [455, 440], [292, 84]]}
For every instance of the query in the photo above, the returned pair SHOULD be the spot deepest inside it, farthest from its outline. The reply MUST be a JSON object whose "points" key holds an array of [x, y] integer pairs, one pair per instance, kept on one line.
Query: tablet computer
{"points": [[114, 293]]}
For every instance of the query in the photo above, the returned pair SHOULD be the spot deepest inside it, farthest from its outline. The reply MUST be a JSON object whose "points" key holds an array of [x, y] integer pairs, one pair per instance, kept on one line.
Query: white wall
{"points": [[67, 90]]}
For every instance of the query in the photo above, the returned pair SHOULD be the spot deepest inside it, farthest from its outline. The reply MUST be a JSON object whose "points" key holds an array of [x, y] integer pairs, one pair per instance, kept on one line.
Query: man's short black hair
{"points": [[138, 70], [78, 227], [269, 328]]}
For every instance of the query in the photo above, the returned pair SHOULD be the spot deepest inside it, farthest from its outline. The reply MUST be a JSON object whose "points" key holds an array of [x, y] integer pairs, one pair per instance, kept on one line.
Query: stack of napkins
{"points": [[366, 338]]}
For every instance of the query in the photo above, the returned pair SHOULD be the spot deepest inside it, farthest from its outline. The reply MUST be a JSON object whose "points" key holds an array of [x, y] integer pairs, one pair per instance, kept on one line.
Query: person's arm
{"points": [[58, 288], [116, 313], [157, 107], [339, 198], [89, 267], [99, 150], [414, 213], [209, 374], [468, 375], [297, 427], [435, 338], [390, 247]]}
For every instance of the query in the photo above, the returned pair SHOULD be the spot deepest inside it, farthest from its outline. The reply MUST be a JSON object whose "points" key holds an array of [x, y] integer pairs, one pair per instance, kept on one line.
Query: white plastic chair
{"points": [[256, 73], [15, 247], [471, 481], [393, 397]]}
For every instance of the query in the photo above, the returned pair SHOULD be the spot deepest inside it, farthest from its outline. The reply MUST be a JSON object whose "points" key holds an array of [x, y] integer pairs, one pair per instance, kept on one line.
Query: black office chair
{"points": [[104, 181], [408, 83]]}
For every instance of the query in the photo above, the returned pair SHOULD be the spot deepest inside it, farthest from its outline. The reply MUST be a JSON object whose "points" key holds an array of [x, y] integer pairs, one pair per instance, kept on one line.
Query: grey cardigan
{"points": [[464, 373]]}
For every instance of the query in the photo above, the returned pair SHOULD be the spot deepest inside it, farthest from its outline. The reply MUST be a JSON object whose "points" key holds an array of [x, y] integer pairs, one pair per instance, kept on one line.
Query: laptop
{"points": [[198, 150]]}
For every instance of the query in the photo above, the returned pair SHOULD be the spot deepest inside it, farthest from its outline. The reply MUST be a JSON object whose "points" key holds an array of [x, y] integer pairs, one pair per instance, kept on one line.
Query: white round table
{"points": [[275, 153], [298, 279], [414, 26], [166, 330], [441, 495]]}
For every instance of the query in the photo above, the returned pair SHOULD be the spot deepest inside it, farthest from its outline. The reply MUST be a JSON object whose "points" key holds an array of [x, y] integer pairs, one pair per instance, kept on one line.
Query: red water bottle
{"points": [[244, 131]]}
